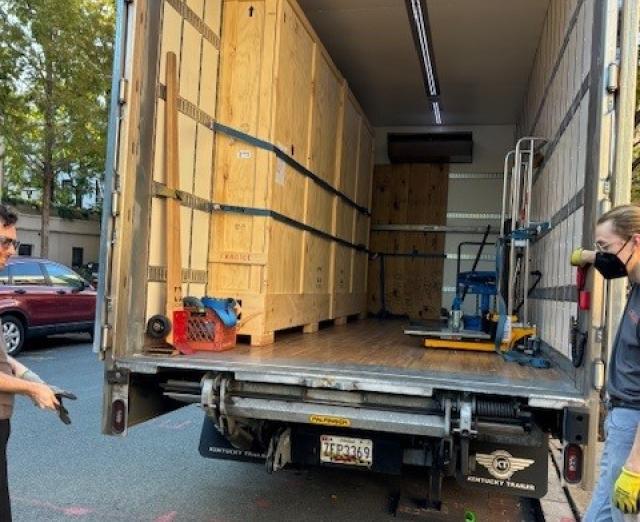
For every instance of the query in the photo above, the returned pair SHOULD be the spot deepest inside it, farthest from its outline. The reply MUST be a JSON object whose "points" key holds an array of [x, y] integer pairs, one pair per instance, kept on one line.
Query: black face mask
{"points": [[610, 265]]}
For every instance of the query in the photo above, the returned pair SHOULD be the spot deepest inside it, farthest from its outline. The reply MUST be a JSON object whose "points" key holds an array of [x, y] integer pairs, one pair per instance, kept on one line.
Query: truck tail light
{"points": [[118, 416], [573, 463], [584, 300], [581, 277]]}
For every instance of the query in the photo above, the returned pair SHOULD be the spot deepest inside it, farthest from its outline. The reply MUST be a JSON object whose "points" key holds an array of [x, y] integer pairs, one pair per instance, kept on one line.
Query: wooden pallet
{"points": [[268, 338], [278, 83]]}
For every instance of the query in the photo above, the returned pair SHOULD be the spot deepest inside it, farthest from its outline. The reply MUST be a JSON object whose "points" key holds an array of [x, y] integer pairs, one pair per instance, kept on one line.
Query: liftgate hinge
{"points": [[123, 91], [599, 333], [115, 203], [105, 338], [598, 375], [117, 376], [613, 78]]}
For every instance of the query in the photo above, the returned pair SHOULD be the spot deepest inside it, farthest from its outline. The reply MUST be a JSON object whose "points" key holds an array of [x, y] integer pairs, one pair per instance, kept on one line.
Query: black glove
{"points": [[63, 413]]}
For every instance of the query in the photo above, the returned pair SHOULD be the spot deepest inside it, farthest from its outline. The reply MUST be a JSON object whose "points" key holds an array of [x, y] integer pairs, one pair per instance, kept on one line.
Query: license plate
{"points": [[345, 450]]}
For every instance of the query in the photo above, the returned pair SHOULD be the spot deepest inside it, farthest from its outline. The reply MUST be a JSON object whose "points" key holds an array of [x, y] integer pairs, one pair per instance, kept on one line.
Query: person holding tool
{"points": [[15, 378], [617, 255]]}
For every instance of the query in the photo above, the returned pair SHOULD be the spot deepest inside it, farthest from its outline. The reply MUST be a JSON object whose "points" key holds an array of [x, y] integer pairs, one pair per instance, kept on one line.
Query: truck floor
{"points": [[374, 350]]}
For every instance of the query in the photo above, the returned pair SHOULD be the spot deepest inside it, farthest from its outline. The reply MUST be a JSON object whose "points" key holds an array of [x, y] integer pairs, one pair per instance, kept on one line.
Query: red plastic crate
{"points": [[195, 331]]}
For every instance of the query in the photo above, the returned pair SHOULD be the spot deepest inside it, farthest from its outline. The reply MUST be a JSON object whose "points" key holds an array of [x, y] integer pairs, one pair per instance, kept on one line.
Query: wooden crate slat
{"points": [[345, 221], [287, 190], [317, 269], [209, 77], [171, 37], [212, 14], [204, 163], [319, 213], [190, 63], [293, 86], [199, 241], [197, 6], [365, 166], [350, 143], [285, 259], [327, 90]]}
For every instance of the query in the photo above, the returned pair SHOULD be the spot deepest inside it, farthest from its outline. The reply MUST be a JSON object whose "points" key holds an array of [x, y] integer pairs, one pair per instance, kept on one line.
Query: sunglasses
{"points": [[6, 242]]}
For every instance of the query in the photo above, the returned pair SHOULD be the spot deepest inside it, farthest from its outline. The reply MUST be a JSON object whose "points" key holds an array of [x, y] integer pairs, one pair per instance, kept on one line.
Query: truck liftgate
{"points": [[500, 444]]}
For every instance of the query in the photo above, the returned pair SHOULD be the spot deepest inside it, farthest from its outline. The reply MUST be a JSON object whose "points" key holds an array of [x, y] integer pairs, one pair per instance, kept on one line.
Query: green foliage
{"points": [[55, 66]]}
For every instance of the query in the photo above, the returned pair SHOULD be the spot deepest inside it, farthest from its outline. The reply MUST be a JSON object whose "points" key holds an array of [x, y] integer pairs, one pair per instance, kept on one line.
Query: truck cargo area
{"points": [[374, 355], [340, 164]]}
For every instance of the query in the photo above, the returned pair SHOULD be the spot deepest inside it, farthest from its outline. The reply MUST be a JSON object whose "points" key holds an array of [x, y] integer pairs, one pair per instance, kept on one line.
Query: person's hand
{"points": [[626, 491], [43, 396], [60, 394], [582, 257], [576, 257]]}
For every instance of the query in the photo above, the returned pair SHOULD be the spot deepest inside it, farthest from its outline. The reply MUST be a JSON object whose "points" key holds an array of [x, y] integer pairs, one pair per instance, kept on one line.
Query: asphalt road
{"points": [[62, 473]]}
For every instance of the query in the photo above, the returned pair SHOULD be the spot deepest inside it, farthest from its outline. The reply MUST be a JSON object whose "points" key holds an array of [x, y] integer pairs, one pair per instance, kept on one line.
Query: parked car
{"points": [[40, 297]]}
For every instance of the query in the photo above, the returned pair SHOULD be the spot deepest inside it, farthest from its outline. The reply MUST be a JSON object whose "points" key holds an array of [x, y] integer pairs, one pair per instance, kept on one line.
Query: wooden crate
{"points": [[278, 84], [190, 29], [408, 194]]}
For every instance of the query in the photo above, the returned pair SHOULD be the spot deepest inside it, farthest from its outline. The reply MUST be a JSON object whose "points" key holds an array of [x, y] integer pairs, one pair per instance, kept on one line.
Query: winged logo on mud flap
{"points": [[501, 464]]}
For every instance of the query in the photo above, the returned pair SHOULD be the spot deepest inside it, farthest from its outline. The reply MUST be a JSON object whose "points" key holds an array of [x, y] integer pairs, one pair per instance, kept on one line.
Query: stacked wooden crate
{"points": [[405, 277], [289, 241]]}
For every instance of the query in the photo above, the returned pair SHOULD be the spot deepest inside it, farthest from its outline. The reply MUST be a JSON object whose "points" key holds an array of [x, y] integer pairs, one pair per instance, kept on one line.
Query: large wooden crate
{"points": [[288, 249], [410, 283]]}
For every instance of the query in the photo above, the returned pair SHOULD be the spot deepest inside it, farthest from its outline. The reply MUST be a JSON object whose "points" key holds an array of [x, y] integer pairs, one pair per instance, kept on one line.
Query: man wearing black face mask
{"points": [[617, 255]]}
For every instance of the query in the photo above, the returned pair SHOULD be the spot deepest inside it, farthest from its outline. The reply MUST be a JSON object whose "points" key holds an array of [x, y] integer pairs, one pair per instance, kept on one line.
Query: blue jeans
{"points": [[620, 431]]}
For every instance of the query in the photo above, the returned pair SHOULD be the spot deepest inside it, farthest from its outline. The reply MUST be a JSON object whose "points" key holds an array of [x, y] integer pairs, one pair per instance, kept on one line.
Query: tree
{"points": [[55, 65]]}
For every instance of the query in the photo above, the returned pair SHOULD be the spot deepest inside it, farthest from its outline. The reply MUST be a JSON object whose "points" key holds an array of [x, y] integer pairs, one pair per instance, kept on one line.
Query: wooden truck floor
{"points": [[373, 355]]}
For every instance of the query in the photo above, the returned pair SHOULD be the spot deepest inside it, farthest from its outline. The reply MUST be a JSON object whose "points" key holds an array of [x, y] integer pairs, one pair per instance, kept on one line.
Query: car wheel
{"points": [[13, 331]]}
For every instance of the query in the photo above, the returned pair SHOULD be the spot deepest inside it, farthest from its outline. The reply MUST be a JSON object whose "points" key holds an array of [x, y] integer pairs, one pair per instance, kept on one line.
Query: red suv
{"points": [[41, 297]]}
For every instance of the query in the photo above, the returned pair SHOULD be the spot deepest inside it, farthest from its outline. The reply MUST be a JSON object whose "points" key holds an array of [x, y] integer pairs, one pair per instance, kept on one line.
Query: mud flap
{"points": [[510, 469], [213, 445]]}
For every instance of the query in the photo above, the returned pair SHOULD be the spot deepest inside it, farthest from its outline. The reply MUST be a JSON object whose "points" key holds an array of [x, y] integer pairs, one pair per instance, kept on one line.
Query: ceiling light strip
{"points": [[436, 112], [418, 16]]}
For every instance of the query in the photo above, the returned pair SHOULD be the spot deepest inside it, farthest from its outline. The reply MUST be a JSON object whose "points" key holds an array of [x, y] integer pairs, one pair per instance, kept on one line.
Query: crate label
{"points": [[280, 171], [244, 154]]}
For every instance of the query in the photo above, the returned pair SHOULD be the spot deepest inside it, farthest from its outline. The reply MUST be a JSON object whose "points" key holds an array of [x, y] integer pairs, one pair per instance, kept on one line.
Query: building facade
{"points": [[72, 242]]}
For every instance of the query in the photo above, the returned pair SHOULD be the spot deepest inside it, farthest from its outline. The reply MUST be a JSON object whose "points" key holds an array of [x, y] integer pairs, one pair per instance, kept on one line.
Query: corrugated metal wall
{"points": [[556, 108]]}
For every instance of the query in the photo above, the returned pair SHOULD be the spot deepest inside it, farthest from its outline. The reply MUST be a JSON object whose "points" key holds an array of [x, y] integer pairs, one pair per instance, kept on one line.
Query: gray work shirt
{"points": [[6, 399], [624, 367]]}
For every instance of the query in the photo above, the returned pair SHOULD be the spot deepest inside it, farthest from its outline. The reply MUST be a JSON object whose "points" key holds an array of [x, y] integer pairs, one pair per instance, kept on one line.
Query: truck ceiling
{"points": [[483, 51]]}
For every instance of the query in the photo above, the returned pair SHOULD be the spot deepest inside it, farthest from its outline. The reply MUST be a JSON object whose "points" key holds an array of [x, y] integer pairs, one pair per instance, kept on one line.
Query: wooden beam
{"points": [[172, 170]]}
